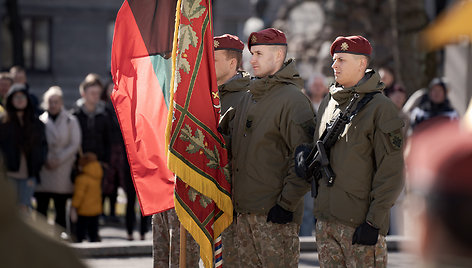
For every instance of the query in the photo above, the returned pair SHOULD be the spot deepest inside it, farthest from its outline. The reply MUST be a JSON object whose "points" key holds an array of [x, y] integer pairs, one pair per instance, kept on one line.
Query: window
{"points": [[36, 44]]}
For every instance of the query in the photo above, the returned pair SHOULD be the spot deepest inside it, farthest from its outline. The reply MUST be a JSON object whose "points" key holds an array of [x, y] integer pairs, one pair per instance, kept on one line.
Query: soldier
{"points": [[266, 127], [232, 85], [353, 213], [166, 242]]}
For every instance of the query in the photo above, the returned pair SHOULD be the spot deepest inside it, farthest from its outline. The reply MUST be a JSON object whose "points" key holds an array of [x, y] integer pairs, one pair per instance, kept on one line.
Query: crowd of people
{"points": [[68, 156], [57, 154]]}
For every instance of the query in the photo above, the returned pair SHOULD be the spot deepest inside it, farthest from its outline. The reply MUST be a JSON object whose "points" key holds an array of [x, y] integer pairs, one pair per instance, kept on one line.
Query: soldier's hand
{"points": [[365, 234], [278, 214]]}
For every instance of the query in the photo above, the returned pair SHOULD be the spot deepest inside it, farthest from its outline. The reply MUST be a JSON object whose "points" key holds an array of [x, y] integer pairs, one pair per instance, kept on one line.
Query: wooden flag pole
{"points": [[183, 247]]}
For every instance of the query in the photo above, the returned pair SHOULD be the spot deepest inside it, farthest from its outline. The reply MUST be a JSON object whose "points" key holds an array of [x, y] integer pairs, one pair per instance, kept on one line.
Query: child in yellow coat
{"points": [[87, 199]]}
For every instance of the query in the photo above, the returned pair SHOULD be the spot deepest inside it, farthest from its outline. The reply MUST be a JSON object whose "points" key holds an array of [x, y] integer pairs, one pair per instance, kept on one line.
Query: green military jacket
{"points": [[267, 126], [367, 159], [232, 91]]}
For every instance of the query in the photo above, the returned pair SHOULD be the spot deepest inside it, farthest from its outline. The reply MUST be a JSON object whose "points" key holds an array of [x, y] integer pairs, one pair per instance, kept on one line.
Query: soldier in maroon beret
{"points": [[233, 83], [266, 127], [353, 209]]}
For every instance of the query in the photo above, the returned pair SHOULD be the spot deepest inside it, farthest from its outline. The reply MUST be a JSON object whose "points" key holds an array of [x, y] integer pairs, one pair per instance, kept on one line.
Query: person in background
{"points": [[87, 198], [115, 173], [18, 75], [63, 136], [433, 105], [95, 124], [5, 83], [387, 77], [316, 89], [23, 143], [439, 179]]}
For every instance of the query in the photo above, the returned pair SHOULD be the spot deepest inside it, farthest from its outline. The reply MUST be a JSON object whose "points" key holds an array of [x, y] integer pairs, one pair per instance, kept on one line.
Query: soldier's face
{"points": [[222, 66], [348, 69], [264, 60]]}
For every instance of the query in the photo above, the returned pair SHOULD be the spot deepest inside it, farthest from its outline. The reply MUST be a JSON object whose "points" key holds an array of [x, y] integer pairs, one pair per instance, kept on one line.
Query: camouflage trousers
{"points": [[166, 242], [266, 244], [230, 247], [335, 249]]}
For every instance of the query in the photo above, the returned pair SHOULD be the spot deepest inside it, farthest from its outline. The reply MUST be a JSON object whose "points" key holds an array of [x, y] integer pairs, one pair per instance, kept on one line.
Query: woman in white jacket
{"points": [[63, 136]]}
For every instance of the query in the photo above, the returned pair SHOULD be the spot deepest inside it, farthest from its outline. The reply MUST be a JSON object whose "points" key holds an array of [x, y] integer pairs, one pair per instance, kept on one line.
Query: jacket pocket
{"points": [[348, 207]]}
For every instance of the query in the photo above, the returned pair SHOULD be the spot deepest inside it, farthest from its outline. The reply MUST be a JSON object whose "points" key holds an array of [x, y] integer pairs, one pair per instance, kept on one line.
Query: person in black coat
{"points": [[23, 143]]}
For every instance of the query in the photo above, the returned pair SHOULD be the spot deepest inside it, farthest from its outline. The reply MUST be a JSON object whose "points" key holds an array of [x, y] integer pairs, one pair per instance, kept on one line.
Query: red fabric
{"points": [[140, 106], [351, 44]]}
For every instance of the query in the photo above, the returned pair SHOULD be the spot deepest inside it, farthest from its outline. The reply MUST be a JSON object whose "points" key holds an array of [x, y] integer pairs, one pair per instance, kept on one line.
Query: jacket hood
{"points": [[238, 83], [14, 89], [93, 169], [369, 83], [288, 74]]}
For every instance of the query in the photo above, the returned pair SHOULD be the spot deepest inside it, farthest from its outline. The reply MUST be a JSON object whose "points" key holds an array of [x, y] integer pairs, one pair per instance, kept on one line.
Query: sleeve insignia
{"points": [[396, 139]]}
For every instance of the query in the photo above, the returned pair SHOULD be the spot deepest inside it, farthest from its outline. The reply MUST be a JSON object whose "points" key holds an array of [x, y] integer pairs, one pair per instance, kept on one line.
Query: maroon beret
{"points": [[351, 44], [269, 36], [228, 42]]}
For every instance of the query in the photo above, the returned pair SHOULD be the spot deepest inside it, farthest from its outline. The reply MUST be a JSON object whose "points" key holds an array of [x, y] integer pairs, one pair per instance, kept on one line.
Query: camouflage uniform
{"points": [[335, 248], [166, 238], [230, 247], [266, 244]]}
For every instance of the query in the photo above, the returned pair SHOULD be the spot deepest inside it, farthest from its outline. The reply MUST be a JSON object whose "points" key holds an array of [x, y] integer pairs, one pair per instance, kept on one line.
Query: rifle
{"points": [[313, 163]]}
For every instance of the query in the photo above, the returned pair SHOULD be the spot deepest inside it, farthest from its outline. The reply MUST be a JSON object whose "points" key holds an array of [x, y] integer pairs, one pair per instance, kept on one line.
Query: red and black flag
{"points": [[141, 67]]}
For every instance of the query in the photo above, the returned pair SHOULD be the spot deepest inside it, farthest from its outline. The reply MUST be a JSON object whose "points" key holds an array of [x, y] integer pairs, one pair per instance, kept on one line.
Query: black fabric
{"points": [[365, 234], [96, 134], [278, 214], [60, 202], [130, 207], [87, 226], [28, 138]]}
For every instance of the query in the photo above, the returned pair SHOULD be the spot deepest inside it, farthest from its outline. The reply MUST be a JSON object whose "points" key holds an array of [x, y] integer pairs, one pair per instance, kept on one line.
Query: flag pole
{"points": [[183, 247]]}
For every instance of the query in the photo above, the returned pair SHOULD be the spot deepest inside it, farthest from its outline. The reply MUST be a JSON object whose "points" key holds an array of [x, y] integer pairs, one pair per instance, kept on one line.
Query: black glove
{"points": [[301, 162], [365, 234], [278, 214]]}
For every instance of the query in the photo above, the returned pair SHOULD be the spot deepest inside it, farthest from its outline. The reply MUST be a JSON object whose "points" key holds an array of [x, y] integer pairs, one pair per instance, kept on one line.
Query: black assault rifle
{"points": [[312, 164]]}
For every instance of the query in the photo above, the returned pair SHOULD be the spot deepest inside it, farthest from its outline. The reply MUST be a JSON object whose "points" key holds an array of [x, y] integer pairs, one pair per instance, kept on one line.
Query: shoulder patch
{"points": [[396, 139]]}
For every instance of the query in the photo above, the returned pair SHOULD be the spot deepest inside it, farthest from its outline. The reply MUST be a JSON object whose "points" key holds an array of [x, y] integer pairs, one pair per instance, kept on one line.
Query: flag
{"points": [[450, 27], [197, 153], [141, 67]]}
